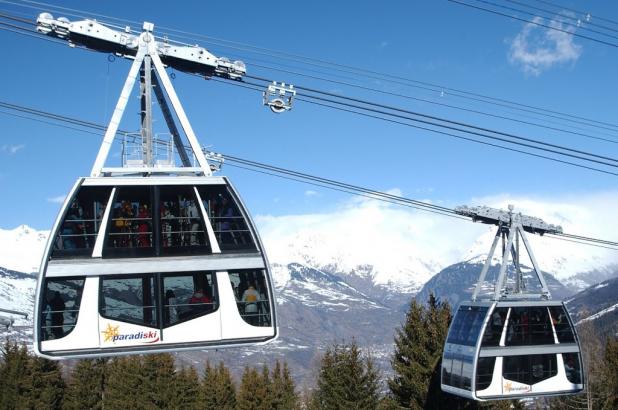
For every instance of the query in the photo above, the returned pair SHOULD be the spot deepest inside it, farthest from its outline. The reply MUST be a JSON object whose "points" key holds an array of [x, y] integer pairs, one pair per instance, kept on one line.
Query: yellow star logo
{"points": [[110, 332], [508, 386]]}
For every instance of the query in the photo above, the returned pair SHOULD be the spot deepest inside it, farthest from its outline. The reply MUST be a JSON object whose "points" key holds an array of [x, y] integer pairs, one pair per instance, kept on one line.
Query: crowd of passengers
{"points": [[527, 326], [131, 224]]}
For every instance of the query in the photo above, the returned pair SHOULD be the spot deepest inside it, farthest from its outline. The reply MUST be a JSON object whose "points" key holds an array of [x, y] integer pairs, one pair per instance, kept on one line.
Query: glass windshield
{"points": [[467, 325]]}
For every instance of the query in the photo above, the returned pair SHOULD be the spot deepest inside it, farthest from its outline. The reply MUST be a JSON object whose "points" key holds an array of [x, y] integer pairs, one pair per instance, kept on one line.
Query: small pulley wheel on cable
{"points": [[277, 106]]}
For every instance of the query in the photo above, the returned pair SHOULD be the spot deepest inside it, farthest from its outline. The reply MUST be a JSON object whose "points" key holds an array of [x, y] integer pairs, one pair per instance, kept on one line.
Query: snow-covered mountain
{"points": [[352, 272], [21, 248]]}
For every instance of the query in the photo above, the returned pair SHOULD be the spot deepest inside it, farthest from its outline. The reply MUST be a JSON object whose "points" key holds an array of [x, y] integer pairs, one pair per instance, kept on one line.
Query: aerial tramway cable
{"points": [[299, 176], [350, 69], [435, 121], [607, 43]]}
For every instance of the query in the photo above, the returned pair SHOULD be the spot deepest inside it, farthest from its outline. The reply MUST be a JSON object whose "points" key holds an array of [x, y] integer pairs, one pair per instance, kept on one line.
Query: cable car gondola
{"points": [[514, 342], [150, 257]]}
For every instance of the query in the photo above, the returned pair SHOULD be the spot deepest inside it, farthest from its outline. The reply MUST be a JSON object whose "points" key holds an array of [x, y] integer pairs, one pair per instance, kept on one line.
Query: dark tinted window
{"points": [[457, 370], [484, 372], [447, 365], [251, 296], [562, 324], [60, 307], [493, 331], [78, 231], [466, 372], [129, 299], [130, 230], [188, 295], [228, 223], [529, 369], [529, 326], [467, 325], [181, 221], [572, 367]]}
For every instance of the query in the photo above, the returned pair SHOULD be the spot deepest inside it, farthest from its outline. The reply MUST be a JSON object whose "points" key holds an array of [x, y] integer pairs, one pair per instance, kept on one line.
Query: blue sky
{"points": [[430, 41]]}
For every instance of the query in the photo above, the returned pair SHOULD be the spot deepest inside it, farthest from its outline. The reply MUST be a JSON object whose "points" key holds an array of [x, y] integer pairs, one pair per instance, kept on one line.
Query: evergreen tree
{"points": [[188, 393], [283, 394], [86, 385], [411, 362], [158, 378], [218, 391], [123, 387], [44, 386], [347, 379], [15, 359], [253, 391], [418, 351], [610, 374]]}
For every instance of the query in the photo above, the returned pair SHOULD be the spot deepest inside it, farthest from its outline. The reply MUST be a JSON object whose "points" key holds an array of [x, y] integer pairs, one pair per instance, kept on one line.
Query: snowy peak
{"points": [[21, 249]]}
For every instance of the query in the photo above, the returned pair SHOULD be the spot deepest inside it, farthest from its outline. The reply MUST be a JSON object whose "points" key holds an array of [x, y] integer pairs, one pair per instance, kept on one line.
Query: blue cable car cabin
{"points": [[511, 349], [153, 264]]}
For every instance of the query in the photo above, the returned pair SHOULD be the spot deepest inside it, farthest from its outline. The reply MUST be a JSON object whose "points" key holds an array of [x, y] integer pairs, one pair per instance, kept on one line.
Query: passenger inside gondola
{"points": [[56, 309], [493, 333], [561, 324], [201, 301], [171, 309], [143, 227], [250, 298]]}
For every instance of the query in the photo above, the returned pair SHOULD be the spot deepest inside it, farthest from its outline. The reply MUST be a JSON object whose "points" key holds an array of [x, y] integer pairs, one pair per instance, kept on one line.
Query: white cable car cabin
{"points": [[150, 257], [514, 343]]}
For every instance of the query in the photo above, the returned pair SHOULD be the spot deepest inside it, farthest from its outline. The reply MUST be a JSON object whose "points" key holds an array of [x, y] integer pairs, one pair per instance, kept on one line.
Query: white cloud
{"points": [[311, 193], [384, 44], [407, 246], [12, 149], [56, 199], [537, 49]]}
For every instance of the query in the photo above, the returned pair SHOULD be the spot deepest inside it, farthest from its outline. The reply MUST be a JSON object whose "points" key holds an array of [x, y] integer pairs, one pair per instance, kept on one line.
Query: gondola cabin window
{"points": [[561, 322], [484, 372], [60, 309], [467, 325], [130, 226], [530, 369], [251, 294], [495, 327], [130, 299], [188, 295], [181, 221], [229, 224], [529, 326], [78, 230], [572, 367]]}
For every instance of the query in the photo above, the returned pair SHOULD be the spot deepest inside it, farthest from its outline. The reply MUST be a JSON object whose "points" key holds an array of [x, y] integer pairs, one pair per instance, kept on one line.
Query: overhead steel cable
{"points": [[427, 101], [486, 136], [453, 126], [584, 21], [549, 3], [315, 184], [499, 13], [550, 18], [459, 124], [445, 120], [390, 120], [409, 97], [353, 189], [321, 63], [338, 184]]}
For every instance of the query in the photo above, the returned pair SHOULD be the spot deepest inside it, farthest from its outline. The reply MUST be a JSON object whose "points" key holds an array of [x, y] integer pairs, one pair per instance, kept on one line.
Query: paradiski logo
{"points": [[112, 334]]}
